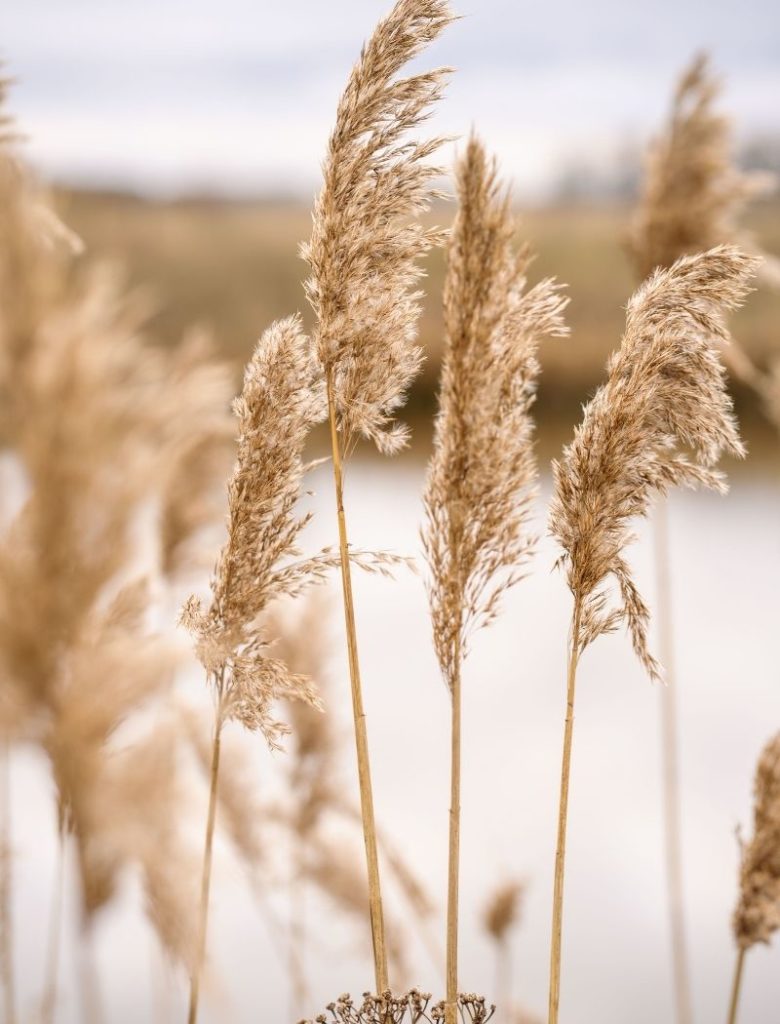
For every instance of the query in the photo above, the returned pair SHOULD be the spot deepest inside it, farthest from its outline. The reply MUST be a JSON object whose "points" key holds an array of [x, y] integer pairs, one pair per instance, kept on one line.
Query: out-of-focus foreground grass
{"points": [[234, 267]]}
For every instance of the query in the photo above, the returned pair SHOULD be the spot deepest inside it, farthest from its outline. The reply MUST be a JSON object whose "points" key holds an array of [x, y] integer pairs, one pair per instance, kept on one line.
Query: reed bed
{"points": [[122, 448]]}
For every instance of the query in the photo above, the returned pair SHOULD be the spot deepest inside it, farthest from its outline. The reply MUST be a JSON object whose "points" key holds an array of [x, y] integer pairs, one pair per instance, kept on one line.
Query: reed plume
{"points": [[260, 561], [86, 421], [364, 255], [693, 196], [692, 199], [663, 418], [757, 914], [482, 477]]}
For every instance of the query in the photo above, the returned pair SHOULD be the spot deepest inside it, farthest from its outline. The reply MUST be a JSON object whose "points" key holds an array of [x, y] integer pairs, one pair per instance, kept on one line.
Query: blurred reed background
{"points": [[182, 143]]}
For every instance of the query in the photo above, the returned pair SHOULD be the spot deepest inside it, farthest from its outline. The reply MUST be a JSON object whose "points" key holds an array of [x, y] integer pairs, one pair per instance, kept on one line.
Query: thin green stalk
{"points": [[736, 986], [563, 810], [200, 952], [358, 713]]}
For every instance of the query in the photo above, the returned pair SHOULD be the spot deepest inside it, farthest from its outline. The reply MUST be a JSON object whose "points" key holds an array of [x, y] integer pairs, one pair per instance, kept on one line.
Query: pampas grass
{"points": [[692, 198], [757, 914], [662, 419], [482, 476], [279, 403], [364, 255]]}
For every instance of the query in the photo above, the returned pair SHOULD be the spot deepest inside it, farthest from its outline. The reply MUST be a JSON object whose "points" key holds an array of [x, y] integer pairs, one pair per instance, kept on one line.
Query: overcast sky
{"points": [[238, 95]]}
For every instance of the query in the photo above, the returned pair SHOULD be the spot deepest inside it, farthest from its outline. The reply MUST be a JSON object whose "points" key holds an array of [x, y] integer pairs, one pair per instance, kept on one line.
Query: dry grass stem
{"points": [[260, 561], [7, 975], [662, 419], [364, 255], [482, 477], [670, 764], [692, 197], [51, 977]]}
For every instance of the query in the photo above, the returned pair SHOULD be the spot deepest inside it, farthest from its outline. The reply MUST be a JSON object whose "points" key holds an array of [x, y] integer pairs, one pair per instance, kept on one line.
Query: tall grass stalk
{"points": [[49, 1000], [6, 894], [563, 812], [208, 847], [259, 562], [663, 418], [670, 762], [482, 476], [358, 712], [736, 986], [364, 254], [453, 864]]}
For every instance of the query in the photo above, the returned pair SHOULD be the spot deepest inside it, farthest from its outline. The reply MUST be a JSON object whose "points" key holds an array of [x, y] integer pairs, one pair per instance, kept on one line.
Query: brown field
{"points": [[233, 266]]}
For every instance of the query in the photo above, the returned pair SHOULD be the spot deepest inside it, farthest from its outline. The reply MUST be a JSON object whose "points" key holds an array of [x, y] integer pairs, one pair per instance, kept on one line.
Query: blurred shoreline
{"points": [[231, 267]]}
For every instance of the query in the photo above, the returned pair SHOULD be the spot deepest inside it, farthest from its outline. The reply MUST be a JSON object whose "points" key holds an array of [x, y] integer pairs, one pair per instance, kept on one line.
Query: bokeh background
{"points": [[184, 140]]}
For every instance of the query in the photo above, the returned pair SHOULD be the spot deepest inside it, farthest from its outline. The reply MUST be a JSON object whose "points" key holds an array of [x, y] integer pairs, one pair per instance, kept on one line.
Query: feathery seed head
{"points": [[279, 403], [757, 915], [482, 475], [693, 193], [366, 244], [663, 418]]}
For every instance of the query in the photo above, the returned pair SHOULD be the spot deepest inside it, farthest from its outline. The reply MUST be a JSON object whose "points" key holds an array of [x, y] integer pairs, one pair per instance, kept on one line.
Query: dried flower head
{"points": [[757, 915], [366, 244], [413, 1007], [662, 419], [482, 476], [503, 909], [693, 194]]}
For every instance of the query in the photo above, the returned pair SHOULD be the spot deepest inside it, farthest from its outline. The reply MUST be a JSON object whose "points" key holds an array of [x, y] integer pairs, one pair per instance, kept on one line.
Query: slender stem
{"points": [[358, 713], [200, 952], [504, 976], [91, 998], [453, 870], [297, 934], [671, 776], [6, 912], [49, 1000], [736, 985], [563, 809]]}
